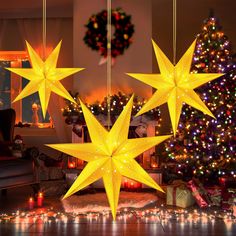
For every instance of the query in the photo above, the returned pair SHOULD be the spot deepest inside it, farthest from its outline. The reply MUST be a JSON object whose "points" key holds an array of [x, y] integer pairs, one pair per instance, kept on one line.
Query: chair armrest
{"points": [[32, 153]]}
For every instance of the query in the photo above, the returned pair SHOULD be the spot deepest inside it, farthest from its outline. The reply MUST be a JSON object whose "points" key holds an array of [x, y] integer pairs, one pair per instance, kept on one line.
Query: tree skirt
{"points": [[98, 202]]}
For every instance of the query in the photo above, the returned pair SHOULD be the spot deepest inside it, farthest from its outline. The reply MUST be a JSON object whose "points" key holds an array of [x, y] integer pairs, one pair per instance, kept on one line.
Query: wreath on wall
{"points": [[96, 34]]}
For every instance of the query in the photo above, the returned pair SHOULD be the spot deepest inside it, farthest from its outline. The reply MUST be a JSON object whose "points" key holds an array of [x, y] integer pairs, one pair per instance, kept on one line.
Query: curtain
{"points": [[31, 30]]}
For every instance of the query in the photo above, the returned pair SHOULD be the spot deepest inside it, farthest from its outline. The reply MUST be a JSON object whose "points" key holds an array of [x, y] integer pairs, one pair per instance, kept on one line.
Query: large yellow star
{"points": [[44, 77], [110, 155], [175, 85]]}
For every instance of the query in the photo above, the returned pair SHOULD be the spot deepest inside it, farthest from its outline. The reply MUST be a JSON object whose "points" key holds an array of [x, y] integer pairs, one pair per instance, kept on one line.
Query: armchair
{"points": [[15, 171]]}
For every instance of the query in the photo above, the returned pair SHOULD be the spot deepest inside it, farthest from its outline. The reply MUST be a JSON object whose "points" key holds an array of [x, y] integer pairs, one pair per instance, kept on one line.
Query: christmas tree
{"points": [[205, 146]]}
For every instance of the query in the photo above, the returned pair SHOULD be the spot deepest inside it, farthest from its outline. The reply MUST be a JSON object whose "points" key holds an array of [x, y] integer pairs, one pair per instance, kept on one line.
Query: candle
{"points": [[40, 199], [132, 185], [154, 165], [139, 185], [34, 106], [71, 165], [31, 203], [126, 184], [72, 162]]}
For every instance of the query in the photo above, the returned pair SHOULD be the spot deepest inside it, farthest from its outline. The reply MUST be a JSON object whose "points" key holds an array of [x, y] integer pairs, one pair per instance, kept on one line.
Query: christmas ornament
{"points": [[175, 85], [44, 77], [110, 155]]}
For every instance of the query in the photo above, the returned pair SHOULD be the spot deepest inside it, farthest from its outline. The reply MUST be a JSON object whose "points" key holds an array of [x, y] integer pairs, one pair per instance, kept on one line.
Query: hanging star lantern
{"points": [[110, 156], [44, 77], [175, 85]]}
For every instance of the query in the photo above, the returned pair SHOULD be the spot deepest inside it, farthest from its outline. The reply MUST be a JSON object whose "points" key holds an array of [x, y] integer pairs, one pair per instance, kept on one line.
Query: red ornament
{"points": [[203, 64]]}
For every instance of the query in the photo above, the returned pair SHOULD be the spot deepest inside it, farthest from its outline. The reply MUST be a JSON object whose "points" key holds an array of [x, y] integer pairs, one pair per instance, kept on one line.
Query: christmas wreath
{"points": [[96, 34]]}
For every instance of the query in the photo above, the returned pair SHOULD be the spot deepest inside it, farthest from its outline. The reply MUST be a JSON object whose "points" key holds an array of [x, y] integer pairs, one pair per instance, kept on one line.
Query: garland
{"points": [[74, 114], [96, 34]]}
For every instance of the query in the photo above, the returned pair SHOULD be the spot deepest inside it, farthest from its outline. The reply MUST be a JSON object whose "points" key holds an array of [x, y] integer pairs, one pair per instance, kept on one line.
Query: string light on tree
{"points": [[207, 144]]}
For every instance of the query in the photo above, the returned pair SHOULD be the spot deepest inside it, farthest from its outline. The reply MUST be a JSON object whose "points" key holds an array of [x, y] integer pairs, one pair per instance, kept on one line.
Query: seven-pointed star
{"points": [[110, 155], [175, 85], [44, 77]]}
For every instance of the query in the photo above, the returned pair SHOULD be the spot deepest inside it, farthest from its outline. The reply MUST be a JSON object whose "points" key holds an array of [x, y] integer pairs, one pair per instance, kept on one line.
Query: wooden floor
{"points": [[16, 199], [115, 229]]}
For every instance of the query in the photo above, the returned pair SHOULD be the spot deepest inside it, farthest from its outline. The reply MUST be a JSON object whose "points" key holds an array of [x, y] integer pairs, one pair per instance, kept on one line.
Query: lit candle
{"points": [[71, 165], [126, 184], [40, 199], [34, 106], [132, 185], [31, 203], [139, 185]]}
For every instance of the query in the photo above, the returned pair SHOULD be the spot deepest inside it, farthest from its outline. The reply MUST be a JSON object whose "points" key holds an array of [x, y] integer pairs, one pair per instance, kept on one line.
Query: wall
{"points": [[190, 17], [91, 83]]}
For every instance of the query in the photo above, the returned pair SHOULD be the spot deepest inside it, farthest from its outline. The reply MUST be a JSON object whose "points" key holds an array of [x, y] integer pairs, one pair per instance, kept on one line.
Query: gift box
{"points": [[215, 194], [199, 193], [228, 199], [227, 182], [179, 195]]}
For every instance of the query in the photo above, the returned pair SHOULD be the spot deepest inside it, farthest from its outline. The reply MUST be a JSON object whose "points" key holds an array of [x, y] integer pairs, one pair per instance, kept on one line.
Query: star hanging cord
{"points": [[110, 155], [175, 85], [44, 77]]}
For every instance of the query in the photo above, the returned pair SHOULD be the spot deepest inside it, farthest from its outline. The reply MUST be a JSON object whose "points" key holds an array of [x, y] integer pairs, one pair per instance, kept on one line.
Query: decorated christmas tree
{"points": [[205, 146]]}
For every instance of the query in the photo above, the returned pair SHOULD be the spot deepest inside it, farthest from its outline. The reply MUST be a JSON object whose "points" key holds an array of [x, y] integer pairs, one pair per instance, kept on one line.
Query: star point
{"points": [[44, 77], [175, 85], [110, 155]]}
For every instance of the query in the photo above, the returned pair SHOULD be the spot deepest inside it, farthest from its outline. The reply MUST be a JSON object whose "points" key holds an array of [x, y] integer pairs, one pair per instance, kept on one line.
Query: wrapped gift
{"points": [[227, 182], [228, 198], [234, 208], [199, 193], [179, 195], [215, 195]]}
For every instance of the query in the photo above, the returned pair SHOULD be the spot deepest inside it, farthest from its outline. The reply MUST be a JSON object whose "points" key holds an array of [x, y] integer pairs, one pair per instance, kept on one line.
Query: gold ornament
{"points": [[175, 85], [110, 156], [44, 77]]}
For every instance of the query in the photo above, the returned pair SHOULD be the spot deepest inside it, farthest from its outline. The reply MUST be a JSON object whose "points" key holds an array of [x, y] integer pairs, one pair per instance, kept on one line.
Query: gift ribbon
{"points": [[175, 196]]}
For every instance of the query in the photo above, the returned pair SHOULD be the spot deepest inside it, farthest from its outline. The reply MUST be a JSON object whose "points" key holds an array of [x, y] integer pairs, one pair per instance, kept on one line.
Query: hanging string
{"points": [[174, 32], [44, 29], [108, 64]]}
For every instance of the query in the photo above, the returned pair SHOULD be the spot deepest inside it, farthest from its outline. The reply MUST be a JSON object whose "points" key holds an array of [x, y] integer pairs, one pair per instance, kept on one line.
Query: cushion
{"points": [[4, 150], [16, 167], [1, 136]]}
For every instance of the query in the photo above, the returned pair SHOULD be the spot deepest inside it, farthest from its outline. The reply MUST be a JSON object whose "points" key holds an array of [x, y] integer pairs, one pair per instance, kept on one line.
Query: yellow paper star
{"points": [[175, 85], [110, 155], [44, 77]]}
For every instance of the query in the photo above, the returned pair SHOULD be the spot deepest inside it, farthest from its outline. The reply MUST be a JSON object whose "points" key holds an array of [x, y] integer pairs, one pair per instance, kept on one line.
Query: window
{"points": [[5, 86], [11, 85]]}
